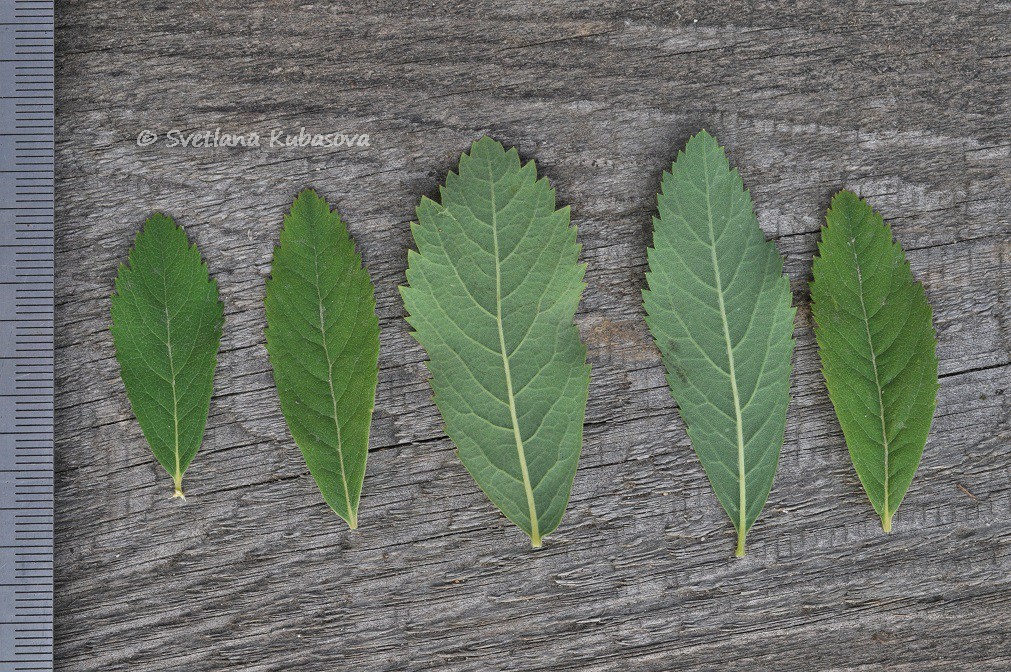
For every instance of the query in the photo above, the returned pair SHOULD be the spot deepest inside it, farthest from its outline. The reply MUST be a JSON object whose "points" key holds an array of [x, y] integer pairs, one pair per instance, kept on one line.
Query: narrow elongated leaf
{"points": [[878, 349], [166, 326], [492, 292], [323, 342], [719, 309]]}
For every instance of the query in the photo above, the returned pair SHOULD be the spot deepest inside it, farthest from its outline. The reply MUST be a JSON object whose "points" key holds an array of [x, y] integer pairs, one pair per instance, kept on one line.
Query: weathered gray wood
{"points": [[906, 103]]}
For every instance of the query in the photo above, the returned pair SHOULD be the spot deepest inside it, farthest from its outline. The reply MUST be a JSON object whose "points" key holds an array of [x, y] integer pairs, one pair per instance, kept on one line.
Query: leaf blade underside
{"points": [[491, 295], [877, 345], [323, 343], [719, 308], [166, 328]]}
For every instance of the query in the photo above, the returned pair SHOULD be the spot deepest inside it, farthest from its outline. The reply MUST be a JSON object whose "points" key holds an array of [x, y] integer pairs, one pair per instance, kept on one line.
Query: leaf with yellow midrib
{"points": [[492, 291]]}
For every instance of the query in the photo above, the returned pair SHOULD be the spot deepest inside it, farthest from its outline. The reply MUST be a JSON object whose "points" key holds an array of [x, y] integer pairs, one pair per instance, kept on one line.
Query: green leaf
{"points": [[166, 326], [492, 292], [323, 342], [878, 349], [719, 309]]}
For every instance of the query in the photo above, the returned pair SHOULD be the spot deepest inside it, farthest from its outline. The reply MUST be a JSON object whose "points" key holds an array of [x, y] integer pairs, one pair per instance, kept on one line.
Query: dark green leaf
{"points": [[166, 326], [877, 347], [323, 342]]}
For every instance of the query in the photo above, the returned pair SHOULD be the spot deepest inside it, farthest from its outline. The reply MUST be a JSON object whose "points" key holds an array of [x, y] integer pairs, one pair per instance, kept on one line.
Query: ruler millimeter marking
{"points": [[26, 335]]}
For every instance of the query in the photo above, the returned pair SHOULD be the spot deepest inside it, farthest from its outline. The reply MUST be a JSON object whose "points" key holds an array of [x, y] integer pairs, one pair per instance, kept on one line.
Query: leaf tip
{"points": [[159, 219], [704, 137], [307, 192], [487, 144]]}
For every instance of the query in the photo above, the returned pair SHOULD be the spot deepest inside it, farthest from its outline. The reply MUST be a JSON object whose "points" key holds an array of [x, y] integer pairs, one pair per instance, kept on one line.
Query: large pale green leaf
{"points": [[323, 343], [877, 347], [166, 326], [492, 292], [719, 309]]}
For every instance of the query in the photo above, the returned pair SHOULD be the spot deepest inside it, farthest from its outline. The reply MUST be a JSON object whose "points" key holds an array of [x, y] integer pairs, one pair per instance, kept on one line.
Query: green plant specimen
{"points": [[718, 306], [492, 291], [878, 349], [323, 343], [166, 326]]}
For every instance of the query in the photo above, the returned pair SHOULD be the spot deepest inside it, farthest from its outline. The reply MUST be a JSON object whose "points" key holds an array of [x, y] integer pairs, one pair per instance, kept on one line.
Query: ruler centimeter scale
{"points": [[26, 335]]}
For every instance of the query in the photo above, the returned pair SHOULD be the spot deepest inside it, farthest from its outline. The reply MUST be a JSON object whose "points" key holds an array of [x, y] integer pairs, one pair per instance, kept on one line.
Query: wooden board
{"points": [[905, 103]]}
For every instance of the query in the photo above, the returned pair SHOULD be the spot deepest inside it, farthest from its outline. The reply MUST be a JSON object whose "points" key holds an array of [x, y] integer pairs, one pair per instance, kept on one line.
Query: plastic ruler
{"points": [[26, 335]]}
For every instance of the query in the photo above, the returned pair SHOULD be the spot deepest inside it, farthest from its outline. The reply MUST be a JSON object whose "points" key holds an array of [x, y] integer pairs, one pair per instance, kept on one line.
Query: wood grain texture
{"points": [[905, 103]]}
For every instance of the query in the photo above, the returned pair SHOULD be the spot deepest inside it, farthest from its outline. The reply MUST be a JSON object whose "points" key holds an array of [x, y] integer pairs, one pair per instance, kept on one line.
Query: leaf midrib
{"points": [[177, 477], [535, 537], [741, 472], [352, 514], [886, 521]]}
